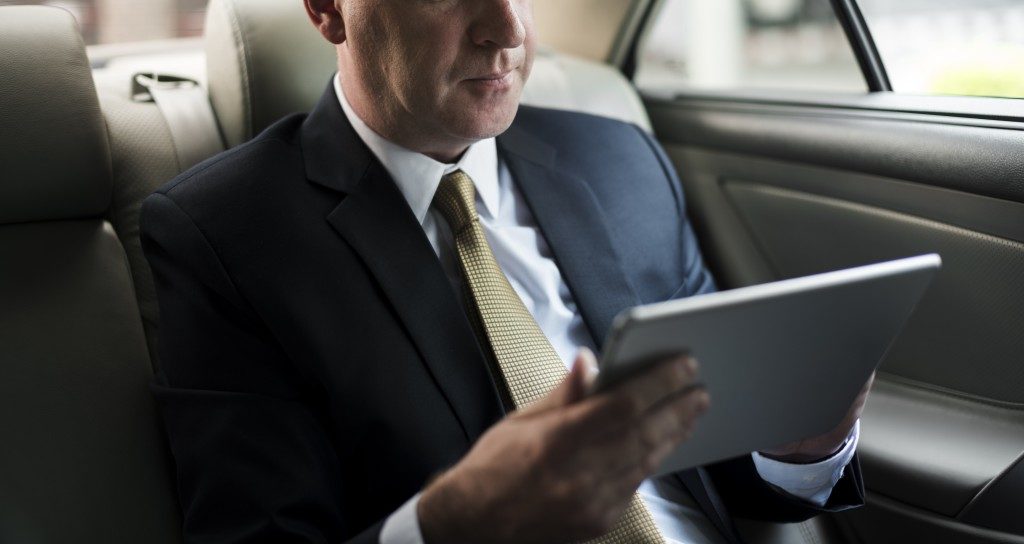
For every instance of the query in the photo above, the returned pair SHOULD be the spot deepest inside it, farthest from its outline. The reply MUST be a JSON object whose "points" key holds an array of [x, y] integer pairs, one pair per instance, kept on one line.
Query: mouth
{"points": [[494, 80]]}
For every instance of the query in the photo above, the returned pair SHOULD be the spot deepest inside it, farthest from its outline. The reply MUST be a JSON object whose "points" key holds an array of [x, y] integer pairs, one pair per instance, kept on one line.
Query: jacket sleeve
{"points": [[737, 481], [254, 462], [747, 495]]}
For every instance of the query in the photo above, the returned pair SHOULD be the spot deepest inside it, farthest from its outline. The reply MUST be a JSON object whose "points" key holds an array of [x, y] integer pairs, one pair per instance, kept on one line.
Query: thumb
{"points": [[575, 385]]}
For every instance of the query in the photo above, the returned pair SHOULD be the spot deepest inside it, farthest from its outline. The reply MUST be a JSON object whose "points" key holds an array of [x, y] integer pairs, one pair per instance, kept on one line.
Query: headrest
{"points": [[54, 155], [266, 60], [571, 83]]}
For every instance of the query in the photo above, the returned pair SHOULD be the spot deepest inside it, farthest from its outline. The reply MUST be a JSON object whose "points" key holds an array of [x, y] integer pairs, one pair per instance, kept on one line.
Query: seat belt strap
{"points": [[186, 109]]}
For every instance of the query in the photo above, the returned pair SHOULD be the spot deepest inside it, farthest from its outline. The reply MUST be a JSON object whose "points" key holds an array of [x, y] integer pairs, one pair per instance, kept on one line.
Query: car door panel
{"points": [[994, 507], [886, 520], [782, 190]]}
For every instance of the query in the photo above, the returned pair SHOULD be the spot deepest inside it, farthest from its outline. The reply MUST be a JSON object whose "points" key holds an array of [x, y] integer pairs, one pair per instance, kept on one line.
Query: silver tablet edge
{"points": [[753, 293]]}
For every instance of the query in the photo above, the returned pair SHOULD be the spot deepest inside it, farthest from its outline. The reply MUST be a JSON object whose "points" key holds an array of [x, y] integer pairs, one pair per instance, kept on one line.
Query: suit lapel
{"points": [[375, 220], [574, 226]]}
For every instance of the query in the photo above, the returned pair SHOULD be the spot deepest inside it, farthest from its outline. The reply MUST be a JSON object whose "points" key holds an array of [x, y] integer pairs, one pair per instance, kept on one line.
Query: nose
{"points": [[500, 23]]}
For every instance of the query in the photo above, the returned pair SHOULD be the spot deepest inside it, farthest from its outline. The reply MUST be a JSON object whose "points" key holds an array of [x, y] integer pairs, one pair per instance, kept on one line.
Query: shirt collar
{"points": [[418, 175]]}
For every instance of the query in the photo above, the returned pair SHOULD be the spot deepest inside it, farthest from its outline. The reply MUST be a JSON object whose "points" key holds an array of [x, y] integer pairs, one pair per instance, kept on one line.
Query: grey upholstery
{"points": [[265, 60], [571, 83], [83, 458], [143, 158], [59, 169]]}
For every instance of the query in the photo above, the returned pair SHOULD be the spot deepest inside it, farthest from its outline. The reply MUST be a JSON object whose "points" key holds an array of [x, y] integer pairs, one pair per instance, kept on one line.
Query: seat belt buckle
{"points": [[144, 83]]}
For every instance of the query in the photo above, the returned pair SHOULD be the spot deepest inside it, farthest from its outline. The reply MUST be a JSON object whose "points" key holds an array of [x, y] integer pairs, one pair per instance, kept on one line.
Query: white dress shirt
{"points": [[526, 259]]}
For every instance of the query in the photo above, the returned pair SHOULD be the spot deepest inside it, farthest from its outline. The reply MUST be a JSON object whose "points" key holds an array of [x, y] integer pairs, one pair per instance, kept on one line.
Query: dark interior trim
{"points": [[949, 109], [863, 45], [994, 505], [882, 514], [624, 48], [965, 158], [995, 217], [631, 39]]}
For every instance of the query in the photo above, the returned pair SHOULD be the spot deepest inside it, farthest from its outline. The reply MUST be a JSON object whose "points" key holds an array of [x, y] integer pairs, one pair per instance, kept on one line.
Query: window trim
{"points": [[631, 38], [858, 35], [980, 111], [626, 54]]}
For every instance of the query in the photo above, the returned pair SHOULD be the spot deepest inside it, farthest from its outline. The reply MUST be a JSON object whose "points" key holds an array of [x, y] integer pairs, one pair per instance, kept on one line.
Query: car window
{"points": [[747, 44], [122, 21], [963, 47]]}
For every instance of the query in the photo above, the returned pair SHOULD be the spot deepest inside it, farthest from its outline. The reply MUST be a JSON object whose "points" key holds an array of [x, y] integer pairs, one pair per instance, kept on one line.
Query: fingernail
{"points": [[692, 365], [703, 401], [589, 359]]}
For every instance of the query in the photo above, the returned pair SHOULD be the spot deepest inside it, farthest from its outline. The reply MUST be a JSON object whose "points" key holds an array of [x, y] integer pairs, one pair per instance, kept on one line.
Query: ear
{"points": [[326, 17]]}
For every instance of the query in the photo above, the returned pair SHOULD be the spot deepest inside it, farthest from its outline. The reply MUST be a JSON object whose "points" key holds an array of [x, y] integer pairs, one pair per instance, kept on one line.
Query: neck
{"points": [[446, 158]]}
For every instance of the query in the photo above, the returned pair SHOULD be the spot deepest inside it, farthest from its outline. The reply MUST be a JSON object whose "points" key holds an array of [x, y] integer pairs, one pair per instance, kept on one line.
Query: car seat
{"points": [[83, 458]]}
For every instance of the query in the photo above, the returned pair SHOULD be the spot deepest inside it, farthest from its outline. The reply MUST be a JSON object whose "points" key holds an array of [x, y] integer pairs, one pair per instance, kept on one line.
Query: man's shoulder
{"points": [[592, 145], [556, 125], [272, 152]]}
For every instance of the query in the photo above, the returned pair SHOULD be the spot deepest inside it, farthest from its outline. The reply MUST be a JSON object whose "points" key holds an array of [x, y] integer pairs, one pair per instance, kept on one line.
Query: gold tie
{"points": [[528, 364]]}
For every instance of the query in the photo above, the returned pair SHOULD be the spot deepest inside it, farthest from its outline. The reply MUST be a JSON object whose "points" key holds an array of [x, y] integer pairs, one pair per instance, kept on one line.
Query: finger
{"points": [[609, 451], [656, 385], [679, 414], [664, 428], [617, 410], [587, 358], [857, 407], [649, 439]]}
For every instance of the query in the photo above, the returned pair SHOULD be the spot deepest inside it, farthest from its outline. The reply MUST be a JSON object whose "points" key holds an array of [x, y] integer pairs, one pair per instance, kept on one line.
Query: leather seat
{"points": [[83, 458]]}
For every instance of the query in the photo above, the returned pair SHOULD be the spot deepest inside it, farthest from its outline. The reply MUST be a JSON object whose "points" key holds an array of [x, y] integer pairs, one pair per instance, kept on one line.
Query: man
{"points": [[368, 313]]}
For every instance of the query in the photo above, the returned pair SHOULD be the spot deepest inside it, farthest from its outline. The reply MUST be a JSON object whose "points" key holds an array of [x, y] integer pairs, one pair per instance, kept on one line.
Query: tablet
{"points": [[782, 361]]}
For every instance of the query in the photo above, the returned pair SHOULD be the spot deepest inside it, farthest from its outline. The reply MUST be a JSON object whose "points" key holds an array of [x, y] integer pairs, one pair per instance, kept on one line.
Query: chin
{"points": [[483, 123]]}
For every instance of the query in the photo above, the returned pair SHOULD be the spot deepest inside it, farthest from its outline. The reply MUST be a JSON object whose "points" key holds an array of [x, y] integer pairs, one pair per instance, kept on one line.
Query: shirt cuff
{"points": [[812, 482], [403, 526]]}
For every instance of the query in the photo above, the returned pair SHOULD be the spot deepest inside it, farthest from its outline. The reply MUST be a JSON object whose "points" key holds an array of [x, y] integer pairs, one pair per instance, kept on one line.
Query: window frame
{"points": [[858, 35], [880, 99]]}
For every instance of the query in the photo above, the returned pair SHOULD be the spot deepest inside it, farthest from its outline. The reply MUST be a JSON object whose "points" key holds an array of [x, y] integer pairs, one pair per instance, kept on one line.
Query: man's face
{"points": [[443, 70]]}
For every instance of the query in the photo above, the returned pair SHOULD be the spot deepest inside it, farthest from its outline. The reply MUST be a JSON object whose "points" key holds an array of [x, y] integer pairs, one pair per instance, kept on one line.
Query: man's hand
{"points": [[565, 468], [817, 448]]}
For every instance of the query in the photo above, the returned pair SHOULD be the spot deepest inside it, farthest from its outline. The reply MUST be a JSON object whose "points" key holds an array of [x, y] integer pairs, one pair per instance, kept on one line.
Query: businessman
{"points": [[377, 319]]}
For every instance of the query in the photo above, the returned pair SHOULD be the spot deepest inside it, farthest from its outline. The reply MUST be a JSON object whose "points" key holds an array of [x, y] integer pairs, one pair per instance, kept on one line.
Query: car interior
{"points": [[779, 185]]}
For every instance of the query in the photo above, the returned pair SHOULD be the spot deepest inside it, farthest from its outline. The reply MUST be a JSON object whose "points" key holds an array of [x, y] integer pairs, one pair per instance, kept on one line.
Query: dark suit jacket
{"points": [[317, 367]]}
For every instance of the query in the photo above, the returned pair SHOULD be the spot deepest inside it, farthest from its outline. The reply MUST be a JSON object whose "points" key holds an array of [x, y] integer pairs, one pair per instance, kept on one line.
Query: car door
{"points": [[798, 156]]}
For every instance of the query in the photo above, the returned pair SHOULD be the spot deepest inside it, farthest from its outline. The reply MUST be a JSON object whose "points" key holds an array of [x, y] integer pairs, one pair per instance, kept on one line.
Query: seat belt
{"points": [[186, 109]]}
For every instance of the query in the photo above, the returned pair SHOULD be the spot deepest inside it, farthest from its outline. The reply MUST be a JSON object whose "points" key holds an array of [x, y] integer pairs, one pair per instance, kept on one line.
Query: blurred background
{"points": [[965, 47], [968, 47], [121, 21]]}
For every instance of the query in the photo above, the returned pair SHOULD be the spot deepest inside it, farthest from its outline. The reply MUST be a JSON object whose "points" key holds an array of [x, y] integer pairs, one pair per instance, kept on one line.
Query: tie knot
{"points": [[456, 200]]}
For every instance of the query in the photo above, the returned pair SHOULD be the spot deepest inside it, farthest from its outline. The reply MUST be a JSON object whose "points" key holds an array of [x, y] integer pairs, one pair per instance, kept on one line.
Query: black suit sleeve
{"points": [[254, 462], [747, 495], [737, 481]]}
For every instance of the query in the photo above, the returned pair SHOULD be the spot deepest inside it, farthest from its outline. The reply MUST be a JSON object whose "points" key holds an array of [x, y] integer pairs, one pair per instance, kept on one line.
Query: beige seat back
{"points": [[265, 60], [83, 459]]}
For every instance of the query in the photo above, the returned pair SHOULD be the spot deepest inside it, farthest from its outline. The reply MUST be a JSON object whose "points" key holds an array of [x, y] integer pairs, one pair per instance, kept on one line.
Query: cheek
{"points": [[441, 59], [425, 68]]}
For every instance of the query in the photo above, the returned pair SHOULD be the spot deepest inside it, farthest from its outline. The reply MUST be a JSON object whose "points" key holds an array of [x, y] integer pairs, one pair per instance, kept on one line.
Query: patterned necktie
{"points": [[528, 364]]}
